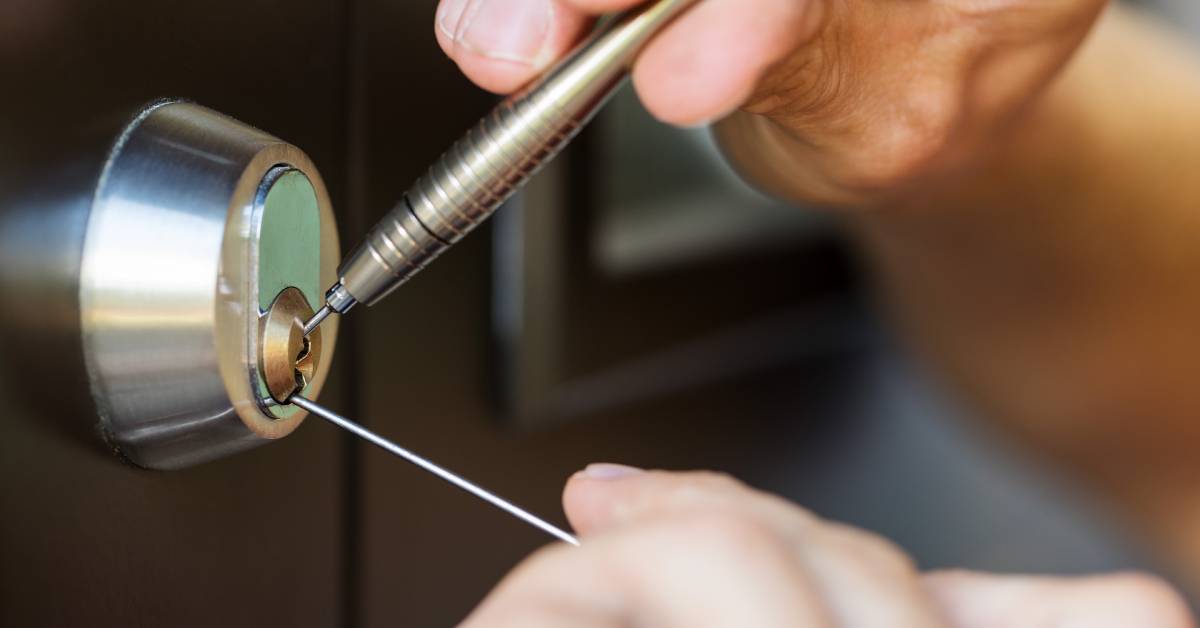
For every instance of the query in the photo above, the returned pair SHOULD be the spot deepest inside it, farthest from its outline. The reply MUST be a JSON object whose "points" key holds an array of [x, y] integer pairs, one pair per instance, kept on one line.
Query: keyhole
{"points": [[305, 350], [288, 359]]}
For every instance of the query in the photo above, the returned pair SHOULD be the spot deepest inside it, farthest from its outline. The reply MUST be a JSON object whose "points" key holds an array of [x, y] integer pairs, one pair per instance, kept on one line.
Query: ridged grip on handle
{"points": [[480, 172]]}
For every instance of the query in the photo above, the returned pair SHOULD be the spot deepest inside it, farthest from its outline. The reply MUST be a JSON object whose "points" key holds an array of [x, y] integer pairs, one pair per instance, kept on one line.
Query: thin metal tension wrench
{"points": [[465, 485]]}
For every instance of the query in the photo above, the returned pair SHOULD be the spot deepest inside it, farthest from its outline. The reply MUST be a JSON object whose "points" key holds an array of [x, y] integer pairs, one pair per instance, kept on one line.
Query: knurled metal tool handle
{"points": [[480, 172]]}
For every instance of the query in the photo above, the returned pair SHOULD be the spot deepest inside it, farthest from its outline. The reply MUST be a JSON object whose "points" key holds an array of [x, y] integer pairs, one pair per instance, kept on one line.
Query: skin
{"points": [[1019, 173], [699, 549]]}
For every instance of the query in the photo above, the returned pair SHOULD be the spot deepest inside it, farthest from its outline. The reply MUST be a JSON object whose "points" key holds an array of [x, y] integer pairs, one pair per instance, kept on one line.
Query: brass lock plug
{"points": [[286, 358]]}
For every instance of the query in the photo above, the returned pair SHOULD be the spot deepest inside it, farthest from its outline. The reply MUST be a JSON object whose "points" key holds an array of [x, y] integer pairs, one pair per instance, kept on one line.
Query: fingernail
{"points": [[508, 30], [606, 471], [449, 15]]}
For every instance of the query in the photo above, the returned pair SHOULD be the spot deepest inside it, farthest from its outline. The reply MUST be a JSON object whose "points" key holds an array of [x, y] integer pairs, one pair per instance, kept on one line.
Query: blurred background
{"points": [[636, 304]]}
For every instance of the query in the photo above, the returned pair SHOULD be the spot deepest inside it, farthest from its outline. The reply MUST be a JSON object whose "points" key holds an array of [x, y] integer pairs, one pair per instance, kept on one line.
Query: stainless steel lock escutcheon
{"points": [[198, 224]]}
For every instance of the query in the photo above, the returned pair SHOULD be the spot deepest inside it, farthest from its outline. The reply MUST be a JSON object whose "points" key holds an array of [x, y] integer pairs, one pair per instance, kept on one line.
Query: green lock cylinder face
{"points": [[289, 250], [289, 240]]}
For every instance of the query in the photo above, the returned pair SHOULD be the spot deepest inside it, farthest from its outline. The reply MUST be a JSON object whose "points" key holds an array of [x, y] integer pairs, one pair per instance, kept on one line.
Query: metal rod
{"points": [[497, 157], [317, 319], [461, 483]]}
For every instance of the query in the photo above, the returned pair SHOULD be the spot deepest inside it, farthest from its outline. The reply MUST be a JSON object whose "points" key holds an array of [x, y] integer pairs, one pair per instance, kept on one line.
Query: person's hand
{"points": [[663, 550], [845, 101]]}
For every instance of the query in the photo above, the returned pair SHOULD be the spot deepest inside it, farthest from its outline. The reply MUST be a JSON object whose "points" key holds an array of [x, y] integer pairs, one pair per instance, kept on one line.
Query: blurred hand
{"points": [[686, 550], [846, 101]]}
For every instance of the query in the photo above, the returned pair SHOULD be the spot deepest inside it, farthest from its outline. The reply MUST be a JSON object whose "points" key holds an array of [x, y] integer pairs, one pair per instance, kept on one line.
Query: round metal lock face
{"points": [[198, 226]]}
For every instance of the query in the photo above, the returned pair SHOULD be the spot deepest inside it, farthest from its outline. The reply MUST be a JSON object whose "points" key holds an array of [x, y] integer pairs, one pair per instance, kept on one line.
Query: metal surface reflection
{"points": [[169, 285]]}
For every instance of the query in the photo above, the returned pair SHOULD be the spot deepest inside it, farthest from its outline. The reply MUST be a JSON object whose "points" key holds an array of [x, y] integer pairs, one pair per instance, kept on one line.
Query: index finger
{"points": [[603, 497]]}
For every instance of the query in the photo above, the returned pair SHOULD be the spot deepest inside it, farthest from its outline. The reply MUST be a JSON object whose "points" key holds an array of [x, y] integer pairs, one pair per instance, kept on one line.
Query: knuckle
{"points": [[809, 84], [1054, 16], [702, 487], [1148, 600], [727, 533], [715, 481], [873, 552], [906, 143]]}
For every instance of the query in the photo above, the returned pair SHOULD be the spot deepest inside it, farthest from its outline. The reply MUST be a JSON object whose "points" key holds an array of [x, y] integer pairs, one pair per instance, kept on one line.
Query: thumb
{"points": [[974, 600], [503, 44]]}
